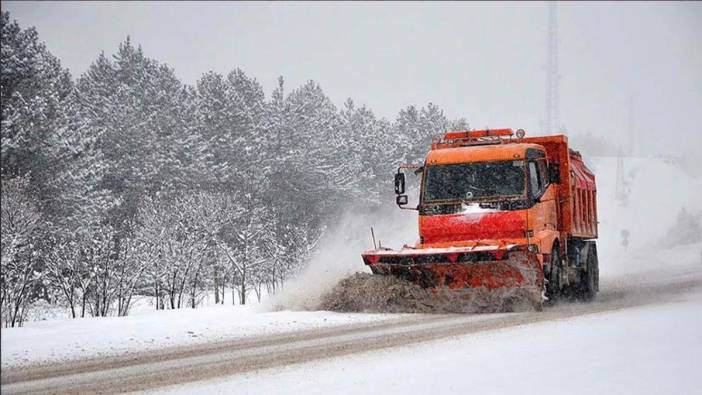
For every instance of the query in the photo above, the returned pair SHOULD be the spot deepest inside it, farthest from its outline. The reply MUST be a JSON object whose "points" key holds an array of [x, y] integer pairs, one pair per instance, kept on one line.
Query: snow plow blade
{"points": [[480, 275]]}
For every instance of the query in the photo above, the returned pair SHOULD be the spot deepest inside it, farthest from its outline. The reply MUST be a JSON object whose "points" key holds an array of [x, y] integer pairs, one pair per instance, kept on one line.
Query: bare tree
{"points": [[20, 221], [64, 272], [179, 233]]}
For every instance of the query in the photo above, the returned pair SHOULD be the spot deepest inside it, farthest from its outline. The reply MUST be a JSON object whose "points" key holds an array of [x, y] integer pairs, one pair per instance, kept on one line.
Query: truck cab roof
{"points": [[480, 153]]}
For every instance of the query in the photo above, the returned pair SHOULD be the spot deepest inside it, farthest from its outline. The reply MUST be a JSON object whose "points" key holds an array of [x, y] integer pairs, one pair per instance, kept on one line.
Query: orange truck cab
{"points": [[500, 211]]}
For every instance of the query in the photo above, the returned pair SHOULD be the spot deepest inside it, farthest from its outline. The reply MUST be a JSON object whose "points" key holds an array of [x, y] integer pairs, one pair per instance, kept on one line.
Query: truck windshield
{"points": [[474, 181]]}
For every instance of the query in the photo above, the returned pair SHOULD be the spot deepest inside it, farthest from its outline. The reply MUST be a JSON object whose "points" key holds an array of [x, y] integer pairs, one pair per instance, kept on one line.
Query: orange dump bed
{"points": [[577, 192]]}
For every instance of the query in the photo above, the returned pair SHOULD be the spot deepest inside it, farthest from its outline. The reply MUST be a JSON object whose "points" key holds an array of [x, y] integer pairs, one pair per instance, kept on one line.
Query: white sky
{"points": [[483, 61]]}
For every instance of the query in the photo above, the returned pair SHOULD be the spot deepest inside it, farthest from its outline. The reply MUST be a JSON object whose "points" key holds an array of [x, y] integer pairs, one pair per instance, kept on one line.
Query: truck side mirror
{"points": [[401, 200], [400, 184], [554, 173]]}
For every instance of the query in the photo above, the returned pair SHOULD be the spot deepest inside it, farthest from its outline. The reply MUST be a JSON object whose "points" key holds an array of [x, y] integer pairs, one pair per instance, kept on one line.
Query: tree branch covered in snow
{"points": [[147, 186]]}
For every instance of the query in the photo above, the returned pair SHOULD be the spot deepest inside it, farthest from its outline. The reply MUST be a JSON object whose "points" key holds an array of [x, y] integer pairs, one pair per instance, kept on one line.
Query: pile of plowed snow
{"points": [[364, 292]]}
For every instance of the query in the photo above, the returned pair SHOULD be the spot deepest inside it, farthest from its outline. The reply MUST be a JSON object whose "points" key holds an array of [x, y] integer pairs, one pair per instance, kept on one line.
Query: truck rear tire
{"points": [[589, 282]]}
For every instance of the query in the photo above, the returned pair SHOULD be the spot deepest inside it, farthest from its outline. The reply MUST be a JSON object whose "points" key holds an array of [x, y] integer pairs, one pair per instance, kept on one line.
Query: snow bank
{"points": [[56, 340]]}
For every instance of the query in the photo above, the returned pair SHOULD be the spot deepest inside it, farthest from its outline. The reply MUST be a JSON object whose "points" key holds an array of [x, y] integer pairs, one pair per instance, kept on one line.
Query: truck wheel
{"points": [[553, 286], [589, 283]]}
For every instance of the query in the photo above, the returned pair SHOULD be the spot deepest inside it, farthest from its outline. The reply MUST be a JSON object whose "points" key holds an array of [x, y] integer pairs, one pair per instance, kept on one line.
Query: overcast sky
{"points": [[482, 61]]}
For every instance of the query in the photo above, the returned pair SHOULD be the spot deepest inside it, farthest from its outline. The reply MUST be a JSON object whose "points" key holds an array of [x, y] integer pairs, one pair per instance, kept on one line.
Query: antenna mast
{"points": [[552, 97]]}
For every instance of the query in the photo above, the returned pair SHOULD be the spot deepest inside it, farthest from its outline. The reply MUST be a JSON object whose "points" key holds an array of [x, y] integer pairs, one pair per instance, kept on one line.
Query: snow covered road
{"points": [[257, 356], [645, 349]]}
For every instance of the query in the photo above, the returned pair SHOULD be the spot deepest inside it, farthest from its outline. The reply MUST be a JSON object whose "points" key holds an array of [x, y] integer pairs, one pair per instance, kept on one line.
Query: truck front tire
{"points": [[553, 286]]}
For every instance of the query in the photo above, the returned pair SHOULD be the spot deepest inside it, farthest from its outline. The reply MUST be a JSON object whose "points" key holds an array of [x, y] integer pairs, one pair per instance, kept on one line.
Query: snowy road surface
{"points": [[636, 338], [644, 349]]}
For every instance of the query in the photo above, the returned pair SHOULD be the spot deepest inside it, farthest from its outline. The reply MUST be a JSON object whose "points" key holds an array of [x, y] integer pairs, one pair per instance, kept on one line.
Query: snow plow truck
{"points": [[499, 212]]}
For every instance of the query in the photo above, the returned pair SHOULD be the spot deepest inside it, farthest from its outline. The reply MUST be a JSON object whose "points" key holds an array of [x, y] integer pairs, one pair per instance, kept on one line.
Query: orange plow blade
{"points": [[465, 274]]}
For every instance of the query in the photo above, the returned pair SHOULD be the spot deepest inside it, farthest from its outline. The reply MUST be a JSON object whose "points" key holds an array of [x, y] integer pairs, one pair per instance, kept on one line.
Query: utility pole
{"points": [[553, 125], [630, 127], [621, 187]]}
